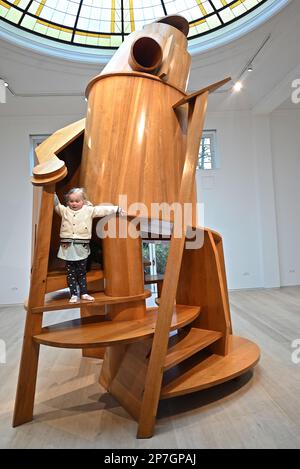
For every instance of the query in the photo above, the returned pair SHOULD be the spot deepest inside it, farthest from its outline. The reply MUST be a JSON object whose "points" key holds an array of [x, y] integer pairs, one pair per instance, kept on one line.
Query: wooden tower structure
{"points": [[140, 139]]}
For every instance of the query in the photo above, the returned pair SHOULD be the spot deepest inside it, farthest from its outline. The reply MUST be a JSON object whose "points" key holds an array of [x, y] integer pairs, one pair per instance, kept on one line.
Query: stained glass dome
{"points": [[104, 24]]}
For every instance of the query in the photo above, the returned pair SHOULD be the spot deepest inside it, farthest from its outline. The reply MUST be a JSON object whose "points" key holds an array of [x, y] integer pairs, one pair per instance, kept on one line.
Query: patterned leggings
{"points": [[76, 275]]}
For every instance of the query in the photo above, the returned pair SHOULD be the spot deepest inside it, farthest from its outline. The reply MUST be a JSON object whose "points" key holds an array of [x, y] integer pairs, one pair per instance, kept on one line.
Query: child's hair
{"points": [[77, 190]]}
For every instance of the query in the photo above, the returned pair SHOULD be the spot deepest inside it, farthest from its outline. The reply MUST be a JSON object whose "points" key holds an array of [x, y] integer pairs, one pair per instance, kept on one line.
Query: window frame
{"points": [[212, 134]]}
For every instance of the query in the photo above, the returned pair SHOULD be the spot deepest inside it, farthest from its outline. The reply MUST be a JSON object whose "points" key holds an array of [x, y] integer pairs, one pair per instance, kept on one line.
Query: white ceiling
{"points": [[265, 89]]}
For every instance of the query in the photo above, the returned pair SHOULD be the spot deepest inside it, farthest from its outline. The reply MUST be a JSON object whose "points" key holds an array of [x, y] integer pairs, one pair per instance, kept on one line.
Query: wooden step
{"points": [[153, 278], [93, 331], [60, 300], [205, 370], [185, 344]]}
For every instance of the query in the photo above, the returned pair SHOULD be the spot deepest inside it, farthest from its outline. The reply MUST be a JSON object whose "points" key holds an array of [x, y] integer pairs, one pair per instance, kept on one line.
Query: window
{"points": [[207, 158], [104, 23], [35, 141], [157, 253]]}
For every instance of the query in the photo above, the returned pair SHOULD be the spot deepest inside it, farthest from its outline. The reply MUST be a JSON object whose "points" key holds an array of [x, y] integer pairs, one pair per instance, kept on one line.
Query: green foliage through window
{"points": [[207, 151]]}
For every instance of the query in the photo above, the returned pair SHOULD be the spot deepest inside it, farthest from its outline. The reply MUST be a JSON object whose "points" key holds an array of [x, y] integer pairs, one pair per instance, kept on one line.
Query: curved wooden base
{"points": [[211, 369]]}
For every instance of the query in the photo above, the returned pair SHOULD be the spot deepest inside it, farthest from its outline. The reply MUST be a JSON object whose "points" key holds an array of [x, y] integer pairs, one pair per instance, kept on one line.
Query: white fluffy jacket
{"points": [[77, 224]]}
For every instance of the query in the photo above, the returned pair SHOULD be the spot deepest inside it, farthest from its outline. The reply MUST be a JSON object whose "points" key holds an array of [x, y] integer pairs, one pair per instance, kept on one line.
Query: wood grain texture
{"points": [[176, 59], [49, 172], [202, 281], [160, 340], [187, 344], [141, 141], [210, 89], [60, 300], [30, 352], [132, 164], [47, 181], [59, 140], [124, 272], [123, 374], [51, 169], [93, 332], [211, 369]]}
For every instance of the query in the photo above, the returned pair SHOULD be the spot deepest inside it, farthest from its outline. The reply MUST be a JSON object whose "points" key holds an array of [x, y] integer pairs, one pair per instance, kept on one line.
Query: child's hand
{"points": [[122, 212]]}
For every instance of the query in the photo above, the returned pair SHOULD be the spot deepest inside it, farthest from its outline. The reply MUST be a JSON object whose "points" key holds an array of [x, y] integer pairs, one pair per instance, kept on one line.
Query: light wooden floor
{"points": [[72, 411]]}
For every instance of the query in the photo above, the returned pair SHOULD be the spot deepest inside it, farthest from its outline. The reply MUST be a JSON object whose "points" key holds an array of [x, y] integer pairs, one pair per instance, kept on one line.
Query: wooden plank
{"points": [[220, 316], [93, 332], [192, 376], [123, 374], [160, 341], [58, 301], [207, 89], [154, 278], [201, 283], [220, 252], [186, 345], [51, 169], [30, 352], [59, 140]]}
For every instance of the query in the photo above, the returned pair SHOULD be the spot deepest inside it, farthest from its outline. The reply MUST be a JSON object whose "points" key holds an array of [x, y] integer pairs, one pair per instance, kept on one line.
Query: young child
{"points": [[75, 234]]}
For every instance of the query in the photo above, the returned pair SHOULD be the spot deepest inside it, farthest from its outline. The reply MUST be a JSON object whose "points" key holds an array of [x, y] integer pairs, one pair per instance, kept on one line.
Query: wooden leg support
{"points": [[28, 372], [30, 353]]}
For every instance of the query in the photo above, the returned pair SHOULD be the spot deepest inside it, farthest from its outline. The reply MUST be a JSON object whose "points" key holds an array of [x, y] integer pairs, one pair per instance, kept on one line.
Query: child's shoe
{"points": [[73, 299], [87, 297]]}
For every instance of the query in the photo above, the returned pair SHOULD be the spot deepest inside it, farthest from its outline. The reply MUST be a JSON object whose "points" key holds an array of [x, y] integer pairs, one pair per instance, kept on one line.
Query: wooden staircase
{"points": [[187, 343], [184, 345], [206, 369]]}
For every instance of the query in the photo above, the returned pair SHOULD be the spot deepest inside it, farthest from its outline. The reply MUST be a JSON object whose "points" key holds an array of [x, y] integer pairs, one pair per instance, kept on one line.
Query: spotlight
{"points": [[237, 86], [250, 68], [6, 84]]}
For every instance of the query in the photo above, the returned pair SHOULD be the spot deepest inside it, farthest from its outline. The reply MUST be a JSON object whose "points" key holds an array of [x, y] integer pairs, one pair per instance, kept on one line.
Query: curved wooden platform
{"points": [[210, 369], [58, 301], [96, 332]]}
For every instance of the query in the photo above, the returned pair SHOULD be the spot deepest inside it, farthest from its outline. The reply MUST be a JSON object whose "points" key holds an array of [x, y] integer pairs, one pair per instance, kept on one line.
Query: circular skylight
{"points": [[104, 24]]}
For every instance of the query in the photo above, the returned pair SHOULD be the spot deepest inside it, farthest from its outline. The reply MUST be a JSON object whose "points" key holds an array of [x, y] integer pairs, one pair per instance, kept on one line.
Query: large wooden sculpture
{"points": [[140, 139]]}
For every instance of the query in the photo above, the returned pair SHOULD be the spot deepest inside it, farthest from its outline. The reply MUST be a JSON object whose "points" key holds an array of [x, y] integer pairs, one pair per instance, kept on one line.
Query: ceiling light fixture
{"points": [[2, 91], [237, 86]]}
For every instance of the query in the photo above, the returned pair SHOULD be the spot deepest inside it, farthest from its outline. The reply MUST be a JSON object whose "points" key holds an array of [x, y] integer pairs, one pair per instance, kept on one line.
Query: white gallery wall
{"points": [[229, 197], [25, 119], [285, 131], [252, 199]]}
